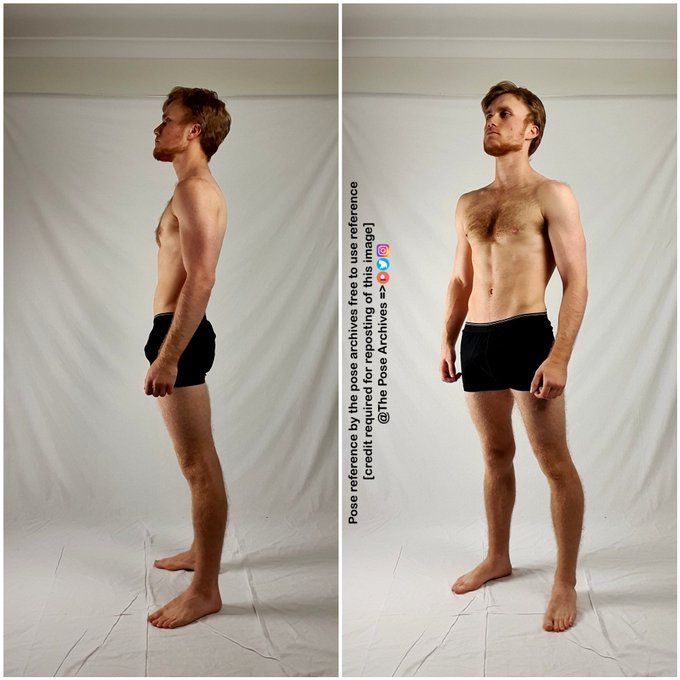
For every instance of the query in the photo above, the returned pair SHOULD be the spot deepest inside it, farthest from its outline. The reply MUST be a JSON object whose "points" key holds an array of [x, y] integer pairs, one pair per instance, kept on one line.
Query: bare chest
{"points": [[503, 218], [167, 231]]}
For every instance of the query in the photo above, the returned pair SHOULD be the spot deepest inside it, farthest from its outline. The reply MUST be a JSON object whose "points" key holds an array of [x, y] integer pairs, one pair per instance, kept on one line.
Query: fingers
{"points": [[445, 371], [157, 390], [549, 391], [448, 371], [535, 383]]}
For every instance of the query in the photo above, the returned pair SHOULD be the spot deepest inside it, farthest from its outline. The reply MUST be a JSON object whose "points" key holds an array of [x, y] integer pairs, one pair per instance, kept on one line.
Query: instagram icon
{"points": [[382, 249]]}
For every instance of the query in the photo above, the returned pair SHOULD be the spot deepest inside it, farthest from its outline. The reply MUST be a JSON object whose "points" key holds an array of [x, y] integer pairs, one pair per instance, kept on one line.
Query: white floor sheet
{"points": [[93, 492], [420, 521]]}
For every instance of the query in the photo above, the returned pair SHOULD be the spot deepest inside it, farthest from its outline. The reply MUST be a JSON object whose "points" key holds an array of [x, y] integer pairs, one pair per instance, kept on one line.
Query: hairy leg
{"points": [[491, 412], [186, 413], [545, 423]]}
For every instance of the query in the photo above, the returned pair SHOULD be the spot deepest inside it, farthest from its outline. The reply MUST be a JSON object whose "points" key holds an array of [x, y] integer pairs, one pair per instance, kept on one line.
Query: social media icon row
{"points": [[382, 250]]}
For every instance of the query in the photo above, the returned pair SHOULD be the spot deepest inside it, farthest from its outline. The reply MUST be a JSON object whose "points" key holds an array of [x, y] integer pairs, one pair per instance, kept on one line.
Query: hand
{"points": [[447, 366], [160, 378], [553, 374]]}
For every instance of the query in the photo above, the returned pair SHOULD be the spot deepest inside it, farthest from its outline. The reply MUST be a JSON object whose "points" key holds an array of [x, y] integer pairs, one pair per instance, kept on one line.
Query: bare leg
{"points": [[491, 413], [187, 415], [545, 423]]}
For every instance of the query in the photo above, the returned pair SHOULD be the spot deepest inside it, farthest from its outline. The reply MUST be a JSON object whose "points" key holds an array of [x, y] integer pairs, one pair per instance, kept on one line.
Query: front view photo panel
{"points": [[508, 359]]}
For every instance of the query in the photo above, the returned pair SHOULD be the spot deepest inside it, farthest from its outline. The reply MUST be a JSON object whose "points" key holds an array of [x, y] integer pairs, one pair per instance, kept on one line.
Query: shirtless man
{"points": [[181, 345], [511, 235]]}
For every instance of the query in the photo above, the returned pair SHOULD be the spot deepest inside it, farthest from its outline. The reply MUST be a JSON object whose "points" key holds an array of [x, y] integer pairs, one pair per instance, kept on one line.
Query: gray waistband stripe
{"points": [[509, 318]]}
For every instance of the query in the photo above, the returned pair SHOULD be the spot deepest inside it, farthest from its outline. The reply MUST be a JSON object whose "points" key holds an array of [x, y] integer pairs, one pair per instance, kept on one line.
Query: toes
{"points": [[548, 624], [154, 615]]}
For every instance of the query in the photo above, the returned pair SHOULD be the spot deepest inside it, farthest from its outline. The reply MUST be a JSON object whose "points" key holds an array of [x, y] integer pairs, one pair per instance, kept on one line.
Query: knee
{"points": [[559, 471], [498, 456], [195, 467], [194, 473]]}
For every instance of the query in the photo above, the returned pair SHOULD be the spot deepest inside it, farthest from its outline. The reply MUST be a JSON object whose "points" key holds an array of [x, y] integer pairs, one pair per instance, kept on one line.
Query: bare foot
{"points": [[182, 560], [185, 608], [561, 611], [483, 572]]}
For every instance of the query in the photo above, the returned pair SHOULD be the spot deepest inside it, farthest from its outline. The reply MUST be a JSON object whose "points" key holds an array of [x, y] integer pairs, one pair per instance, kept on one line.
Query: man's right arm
{"points": [[457, 295]]}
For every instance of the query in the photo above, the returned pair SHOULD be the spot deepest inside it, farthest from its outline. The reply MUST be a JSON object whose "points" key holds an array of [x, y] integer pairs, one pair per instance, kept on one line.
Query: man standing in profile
{"points": [[181, 345], [512, 234]]}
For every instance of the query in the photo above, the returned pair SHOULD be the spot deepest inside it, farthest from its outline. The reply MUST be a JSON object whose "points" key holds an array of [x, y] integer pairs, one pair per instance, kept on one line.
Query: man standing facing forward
{"points": [[181, 345], [512, 234]]}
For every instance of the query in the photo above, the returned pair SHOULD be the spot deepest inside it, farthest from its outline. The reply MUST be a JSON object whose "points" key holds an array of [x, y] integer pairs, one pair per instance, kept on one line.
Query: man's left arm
{"points": [[197, 211], [569, 249]]}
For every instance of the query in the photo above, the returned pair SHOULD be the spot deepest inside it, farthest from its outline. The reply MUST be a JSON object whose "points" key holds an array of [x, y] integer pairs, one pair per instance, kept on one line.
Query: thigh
{"points": [[545, 423], [186, 413], [491, 412]]}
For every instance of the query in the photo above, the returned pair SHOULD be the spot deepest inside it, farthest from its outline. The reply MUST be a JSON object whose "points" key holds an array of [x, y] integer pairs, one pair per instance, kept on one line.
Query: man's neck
{"points": [[189, 166], [512, 170]]}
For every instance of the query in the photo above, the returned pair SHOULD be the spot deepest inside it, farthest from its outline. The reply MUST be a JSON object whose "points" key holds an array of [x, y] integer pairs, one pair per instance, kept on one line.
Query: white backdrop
{"points": [[93, 492], [421, 521]]}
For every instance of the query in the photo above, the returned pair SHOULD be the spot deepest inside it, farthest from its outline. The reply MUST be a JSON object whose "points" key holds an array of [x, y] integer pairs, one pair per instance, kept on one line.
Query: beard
{"points": [[494, 145], [166, 153]]}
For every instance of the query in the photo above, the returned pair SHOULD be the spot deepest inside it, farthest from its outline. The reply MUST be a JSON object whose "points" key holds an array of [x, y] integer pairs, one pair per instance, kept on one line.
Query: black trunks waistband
{"points": [[156, 316], [487, 326]]}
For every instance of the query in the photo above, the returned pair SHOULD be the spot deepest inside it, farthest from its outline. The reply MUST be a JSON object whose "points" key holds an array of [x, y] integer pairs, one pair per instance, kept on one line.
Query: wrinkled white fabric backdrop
{"points": [[93, 493], [421, 521]]}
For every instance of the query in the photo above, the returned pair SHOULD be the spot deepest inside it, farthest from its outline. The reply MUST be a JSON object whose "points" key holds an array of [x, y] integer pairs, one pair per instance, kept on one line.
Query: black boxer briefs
{"points": [[196, 359], [504, 354]]}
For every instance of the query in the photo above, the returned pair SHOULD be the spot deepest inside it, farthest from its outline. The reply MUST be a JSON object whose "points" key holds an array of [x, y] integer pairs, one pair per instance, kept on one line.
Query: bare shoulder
{"points": [[553, 189], [198, 188], [470, 197]]}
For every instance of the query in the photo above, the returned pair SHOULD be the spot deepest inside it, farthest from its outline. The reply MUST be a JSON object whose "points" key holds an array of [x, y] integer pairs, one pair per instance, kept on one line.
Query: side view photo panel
{"points": [[171, 411]]}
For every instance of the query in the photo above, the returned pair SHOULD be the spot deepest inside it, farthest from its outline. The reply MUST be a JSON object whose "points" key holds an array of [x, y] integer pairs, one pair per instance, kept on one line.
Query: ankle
{"points": [[498, 558], [562, 582], [204, 589]]}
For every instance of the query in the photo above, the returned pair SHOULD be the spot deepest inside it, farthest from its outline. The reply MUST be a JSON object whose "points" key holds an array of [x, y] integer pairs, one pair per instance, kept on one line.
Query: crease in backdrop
{"points": [[421, 521], [93, 492]]}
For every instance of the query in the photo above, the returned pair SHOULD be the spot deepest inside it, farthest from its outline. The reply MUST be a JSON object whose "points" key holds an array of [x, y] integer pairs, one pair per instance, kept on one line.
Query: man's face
{"points": [[504, 127], [171, 134]]}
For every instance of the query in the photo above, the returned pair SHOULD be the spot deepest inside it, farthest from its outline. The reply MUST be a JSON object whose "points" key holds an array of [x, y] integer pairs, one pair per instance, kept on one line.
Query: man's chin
{"points": [[493, 152]]}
